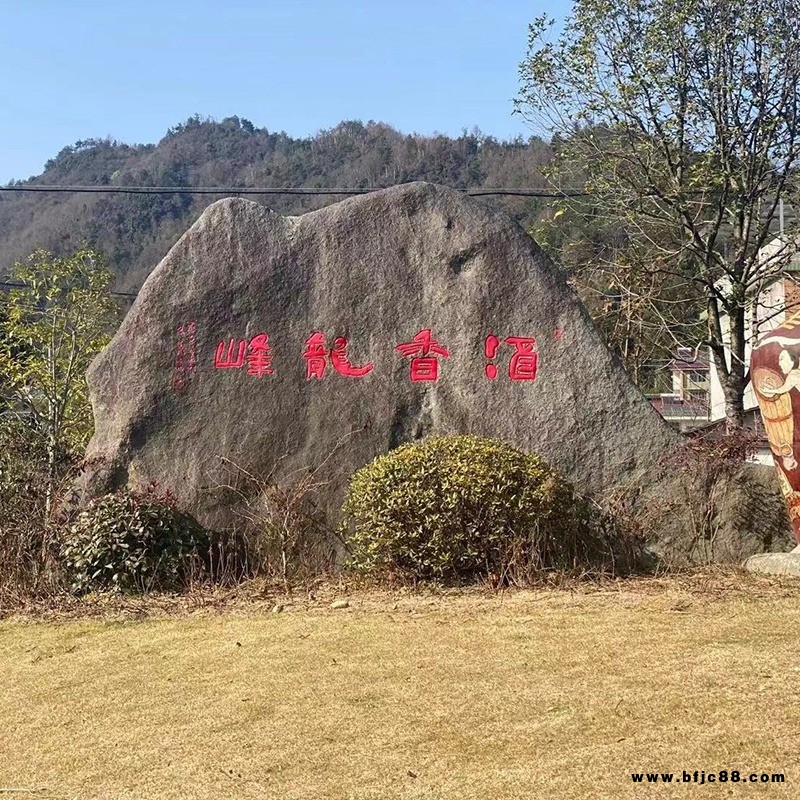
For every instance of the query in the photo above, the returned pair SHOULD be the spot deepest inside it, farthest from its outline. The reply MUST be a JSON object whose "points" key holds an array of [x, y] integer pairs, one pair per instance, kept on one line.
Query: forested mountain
{"points": [[135, 231]]}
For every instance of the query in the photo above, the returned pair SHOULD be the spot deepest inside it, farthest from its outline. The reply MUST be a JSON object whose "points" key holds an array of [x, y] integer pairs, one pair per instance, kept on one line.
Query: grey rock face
{"points": [[217, 363]]}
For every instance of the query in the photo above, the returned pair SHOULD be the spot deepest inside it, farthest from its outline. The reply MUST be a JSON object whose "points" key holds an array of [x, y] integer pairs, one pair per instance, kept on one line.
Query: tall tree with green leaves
{"points": [[56, 318], [684, 116]]}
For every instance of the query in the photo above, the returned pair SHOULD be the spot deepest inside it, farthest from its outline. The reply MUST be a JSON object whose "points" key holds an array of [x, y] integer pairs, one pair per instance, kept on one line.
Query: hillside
{"points": [[135, 231]]}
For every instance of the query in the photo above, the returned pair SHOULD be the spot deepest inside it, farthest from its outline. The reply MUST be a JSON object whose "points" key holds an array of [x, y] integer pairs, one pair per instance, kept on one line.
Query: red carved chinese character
{"points": [[342, 364], [234, 359], [259, 360], [523, 362], [186, 356], [315, 356], [490, 349], [424, 367]]}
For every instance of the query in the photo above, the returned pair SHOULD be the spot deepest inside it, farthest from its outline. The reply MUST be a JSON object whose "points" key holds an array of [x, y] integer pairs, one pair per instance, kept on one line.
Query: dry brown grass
{"points": [[535, 694]]}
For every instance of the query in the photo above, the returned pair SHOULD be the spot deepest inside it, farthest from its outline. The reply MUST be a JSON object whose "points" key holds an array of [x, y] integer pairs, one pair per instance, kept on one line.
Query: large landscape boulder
{"points": [[273, 346]]}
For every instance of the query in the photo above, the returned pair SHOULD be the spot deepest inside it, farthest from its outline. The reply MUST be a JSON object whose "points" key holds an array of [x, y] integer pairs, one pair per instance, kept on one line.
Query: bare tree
{"points": [[685, 116]]}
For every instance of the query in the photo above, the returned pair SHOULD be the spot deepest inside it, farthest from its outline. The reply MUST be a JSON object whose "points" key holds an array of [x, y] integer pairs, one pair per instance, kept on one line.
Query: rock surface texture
{"points": [[233, 360]]}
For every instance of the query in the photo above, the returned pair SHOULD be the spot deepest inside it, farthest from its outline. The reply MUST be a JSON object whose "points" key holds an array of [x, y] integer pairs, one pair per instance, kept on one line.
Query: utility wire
{"points": [[522, 192], [266, 190], [285, 190], [17, 285]]}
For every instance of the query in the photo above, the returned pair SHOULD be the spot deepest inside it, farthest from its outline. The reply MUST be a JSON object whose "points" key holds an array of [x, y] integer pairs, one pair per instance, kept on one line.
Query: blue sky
{"points": [[75, 69]]}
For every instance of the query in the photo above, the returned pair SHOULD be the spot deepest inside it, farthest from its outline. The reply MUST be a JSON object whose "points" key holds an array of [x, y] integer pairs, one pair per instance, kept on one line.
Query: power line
{"points": [[271, 190], [17, 285], [287, 190]]}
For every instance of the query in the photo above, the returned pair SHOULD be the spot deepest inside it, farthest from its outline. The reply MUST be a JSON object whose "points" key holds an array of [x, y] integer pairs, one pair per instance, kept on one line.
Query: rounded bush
{"points": [[131, 541], [462, 507]]}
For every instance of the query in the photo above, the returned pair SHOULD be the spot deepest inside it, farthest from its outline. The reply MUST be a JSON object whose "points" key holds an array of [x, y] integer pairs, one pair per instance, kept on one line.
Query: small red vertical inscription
{"points": [[523, 363], [186, 355], [259, 359], [424, 349], [234, 358]]}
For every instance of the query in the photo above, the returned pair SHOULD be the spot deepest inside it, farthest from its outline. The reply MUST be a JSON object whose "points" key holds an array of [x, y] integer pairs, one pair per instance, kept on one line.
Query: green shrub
{"points": [[461, 507], [129, 541]]}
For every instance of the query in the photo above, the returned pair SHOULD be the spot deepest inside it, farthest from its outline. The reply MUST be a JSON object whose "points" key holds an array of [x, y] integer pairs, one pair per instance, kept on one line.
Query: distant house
{"points": [[687, 406]]}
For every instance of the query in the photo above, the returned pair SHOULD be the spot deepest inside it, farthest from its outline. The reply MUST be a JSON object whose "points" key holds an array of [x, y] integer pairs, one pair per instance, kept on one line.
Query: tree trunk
{"points": [[52, 457], [734, 406], [51, 474], [733, 383]]}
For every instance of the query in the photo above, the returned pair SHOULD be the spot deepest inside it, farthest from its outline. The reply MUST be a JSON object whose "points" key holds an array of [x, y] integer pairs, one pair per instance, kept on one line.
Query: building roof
{"points": [[671, 406], [685, 359]]}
